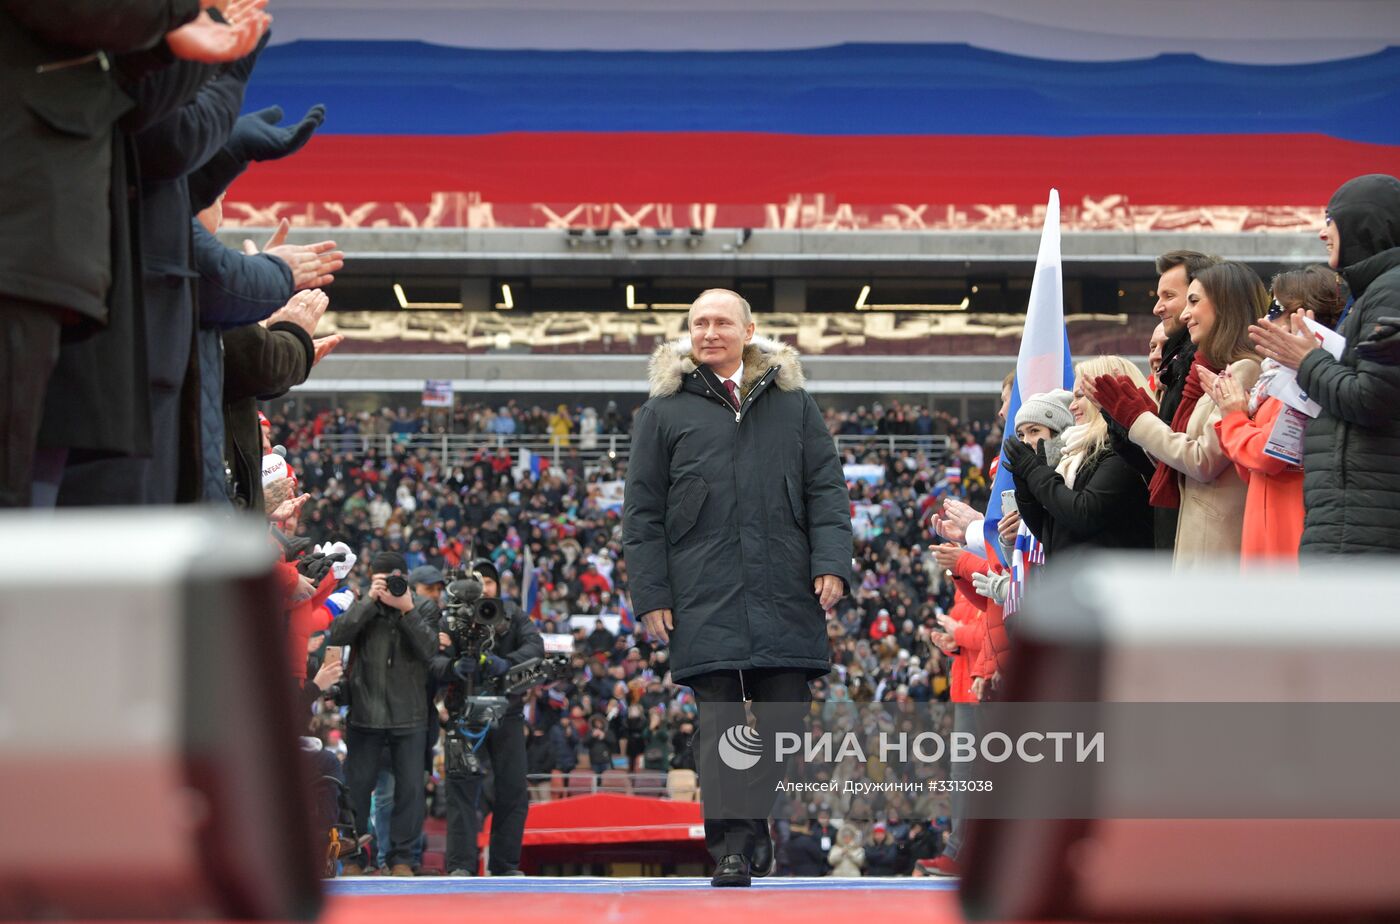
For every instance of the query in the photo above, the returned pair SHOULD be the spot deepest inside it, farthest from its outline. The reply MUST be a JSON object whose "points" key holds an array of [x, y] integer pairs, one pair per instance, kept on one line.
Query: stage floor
{"points": [[541, 900]]}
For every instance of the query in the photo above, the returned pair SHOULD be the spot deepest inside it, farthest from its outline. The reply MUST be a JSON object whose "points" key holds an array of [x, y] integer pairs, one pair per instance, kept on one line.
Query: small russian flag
{"points": [[625, 617]]}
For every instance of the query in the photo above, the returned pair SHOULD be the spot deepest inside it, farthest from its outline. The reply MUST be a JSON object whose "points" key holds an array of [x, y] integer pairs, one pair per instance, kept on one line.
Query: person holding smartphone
{"points": [[1090, 495]]}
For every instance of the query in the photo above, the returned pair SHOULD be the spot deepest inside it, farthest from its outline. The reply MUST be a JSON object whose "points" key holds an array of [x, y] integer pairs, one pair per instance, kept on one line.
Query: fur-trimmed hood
{"points": [[674, 360]]}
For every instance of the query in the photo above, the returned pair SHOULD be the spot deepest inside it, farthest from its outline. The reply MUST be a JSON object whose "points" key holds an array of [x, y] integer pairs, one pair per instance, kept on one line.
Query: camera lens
{"points": [[396, 584]]}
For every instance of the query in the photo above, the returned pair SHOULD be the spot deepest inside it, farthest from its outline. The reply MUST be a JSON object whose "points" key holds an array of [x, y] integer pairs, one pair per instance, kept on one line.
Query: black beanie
{"points": [[387, 563]]}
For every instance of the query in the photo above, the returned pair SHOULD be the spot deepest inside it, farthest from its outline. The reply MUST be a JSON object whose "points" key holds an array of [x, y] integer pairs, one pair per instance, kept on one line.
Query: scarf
{"points": [[1269, 371], [1164, 490], [1074, 453]]}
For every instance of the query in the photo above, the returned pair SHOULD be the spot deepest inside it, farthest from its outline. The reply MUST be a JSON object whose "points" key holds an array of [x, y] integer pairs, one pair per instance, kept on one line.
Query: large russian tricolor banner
{"points": [[1197, 115]]}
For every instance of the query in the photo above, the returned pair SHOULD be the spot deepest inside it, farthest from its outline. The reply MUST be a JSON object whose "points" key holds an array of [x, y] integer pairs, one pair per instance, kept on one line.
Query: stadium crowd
{"points": [[136, 347]]}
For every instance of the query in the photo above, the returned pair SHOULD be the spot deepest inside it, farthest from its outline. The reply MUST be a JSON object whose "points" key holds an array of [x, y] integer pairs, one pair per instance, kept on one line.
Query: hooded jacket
{"points": [[729, 516], [1351, 451]]}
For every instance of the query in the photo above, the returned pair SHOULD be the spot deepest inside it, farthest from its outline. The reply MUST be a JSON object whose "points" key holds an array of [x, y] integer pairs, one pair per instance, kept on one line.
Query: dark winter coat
{"points": [[882, 859], [234, 290], [56, 129], [389, 657], [1107, 507], [1351, 451], [729, 517], [98, 402], [259, 363], [803, 854], [167, 152]]}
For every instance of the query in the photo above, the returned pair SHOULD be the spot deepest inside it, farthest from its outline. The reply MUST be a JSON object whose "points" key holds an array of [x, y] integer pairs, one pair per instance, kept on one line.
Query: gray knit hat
{"points": [[1050, 409]]}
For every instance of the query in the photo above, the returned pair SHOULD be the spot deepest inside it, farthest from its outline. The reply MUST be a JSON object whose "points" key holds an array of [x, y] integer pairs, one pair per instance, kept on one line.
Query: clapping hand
{"points": [[1224, 390], [312, 265], [1286, 343]]}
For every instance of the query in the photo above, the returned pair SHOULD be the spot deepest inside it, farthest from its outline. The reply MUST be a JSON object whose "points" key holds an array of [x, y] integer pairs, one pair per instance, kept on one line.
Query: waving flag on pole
{"points": [[529, 587], [1043, 364]]}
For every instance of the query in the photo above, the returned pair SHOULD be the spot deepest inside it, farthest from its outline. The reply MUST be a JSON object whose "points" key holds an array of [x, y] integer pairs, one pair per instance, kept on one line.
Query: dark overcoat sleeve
{"points": [[828, 502], [644, 515]]}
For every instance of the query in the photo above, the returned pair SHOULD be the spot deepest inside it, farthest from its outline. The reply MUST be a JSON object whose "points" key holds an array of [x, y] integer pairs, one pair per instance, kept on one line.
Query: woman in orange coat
{"points": [[1273, 507]]}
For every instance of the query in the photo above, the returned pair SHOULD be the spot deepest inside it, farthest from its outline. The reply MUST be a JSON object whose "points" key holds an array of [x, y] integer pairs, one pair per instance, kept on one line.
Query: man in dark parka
{"points": [[737, 536]]}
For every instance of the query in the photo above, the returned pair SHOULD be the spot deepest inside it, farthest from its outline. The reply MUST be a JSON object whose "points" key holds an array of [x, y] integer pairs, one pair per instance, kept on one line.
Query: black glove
{"points": [[1021, 458], [292, 546], [495, 665], [257, 136], [1382, 345], [317, 565], [466, 668], [1127, 450]]}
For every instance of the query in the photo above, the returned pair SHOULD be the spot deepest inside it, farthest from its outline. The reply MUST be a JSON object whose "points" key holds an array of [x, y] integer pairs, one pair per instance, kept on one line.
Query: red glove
{"points": [[1122, 400]]}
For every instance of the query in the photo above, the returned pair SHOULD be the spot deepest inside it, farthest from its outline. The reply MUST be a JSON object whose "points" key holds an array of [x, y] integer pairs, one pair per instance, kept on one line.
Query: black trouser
{"points": [[505, 745], [29, 338], [780, 699], [362, 749]]}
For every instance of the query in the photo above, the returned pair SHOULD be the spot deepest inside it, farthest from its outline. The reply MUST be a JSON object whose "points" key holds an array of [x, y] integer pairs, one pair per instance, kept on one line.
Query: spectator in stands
{"points": [[1273, 510], [1092, 496], [1351, 481], [802, 852], [1193, 472], [881, 853], [847, 856]]}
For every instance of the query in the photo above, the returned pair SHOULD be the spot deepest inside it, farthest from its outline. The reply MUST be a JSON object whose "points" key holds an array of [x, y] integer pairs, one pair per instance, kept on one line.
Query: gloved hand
{"points": [[494, 665], [1382, 345], [1122, 400], [466, 668], [257, 136], [1129, 451], [992, 586], [318, 564], [345, 563], [1021, 458], [292, 546]]}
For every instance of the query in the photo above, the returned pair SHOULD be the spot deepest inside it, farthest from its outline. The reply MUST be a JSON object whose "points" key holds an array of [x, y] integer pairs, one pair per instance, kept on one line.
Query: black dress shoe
{"points": [[733, 870], [762, 863]]}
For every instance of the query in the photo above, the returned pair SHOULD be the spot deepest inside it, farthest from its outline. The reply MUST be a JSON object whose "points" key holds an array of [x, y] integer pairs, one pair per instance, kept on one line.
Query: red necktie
{"points": [[733, 393]]}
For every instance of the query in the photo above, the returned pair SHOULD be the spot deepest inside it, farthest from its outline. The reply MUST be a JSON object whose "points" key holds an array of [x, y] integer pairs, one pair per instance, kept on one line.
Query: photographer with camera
{"points": [[514, 640], [392, 639]]}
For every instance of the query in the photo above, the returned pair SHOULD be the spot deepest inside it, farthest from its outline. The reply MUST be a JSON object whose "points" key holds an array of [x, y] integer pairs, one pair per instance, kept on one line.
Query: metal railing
{"points": [[551, 787], [589, 451]]}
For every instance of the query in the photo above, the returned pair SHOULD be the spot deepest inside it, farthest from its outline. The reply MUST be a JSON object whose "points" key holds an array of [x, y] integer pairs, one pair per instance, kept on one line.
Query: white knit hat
{"points": [[1049, 409]]}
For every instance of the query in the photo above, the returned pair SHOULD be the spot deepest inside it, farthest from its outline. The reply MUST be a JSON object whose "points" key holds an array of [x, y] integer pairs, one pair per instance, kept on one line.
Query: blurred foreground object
{"points": [[148, 760], [1129, 630]]}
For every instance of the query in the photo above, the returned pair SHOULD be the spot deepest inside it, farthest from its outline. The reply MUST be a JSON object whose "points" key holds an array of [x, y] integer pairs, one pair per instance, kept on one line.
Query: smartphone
{"points": [[1008, 501]]}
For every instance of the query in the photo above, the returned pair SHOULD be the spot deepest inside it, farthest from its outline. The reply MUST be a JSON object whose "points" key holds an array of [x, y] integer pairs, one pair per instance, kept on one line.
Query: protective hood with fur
{"points": [[672, 361]]}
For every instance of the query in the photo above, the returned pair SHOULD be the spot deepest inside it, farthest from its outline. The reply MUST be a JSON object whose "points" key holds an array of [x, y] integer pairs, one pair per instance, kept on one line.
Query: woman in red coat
{"points": [[1273, 509]]}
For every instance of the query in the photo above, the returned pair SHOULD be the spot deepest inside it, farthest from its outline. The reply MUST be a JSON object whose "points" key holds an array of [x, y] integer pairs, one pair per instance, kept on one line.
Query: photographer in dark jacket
{"points": [[392, 639], [504, 743]]}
